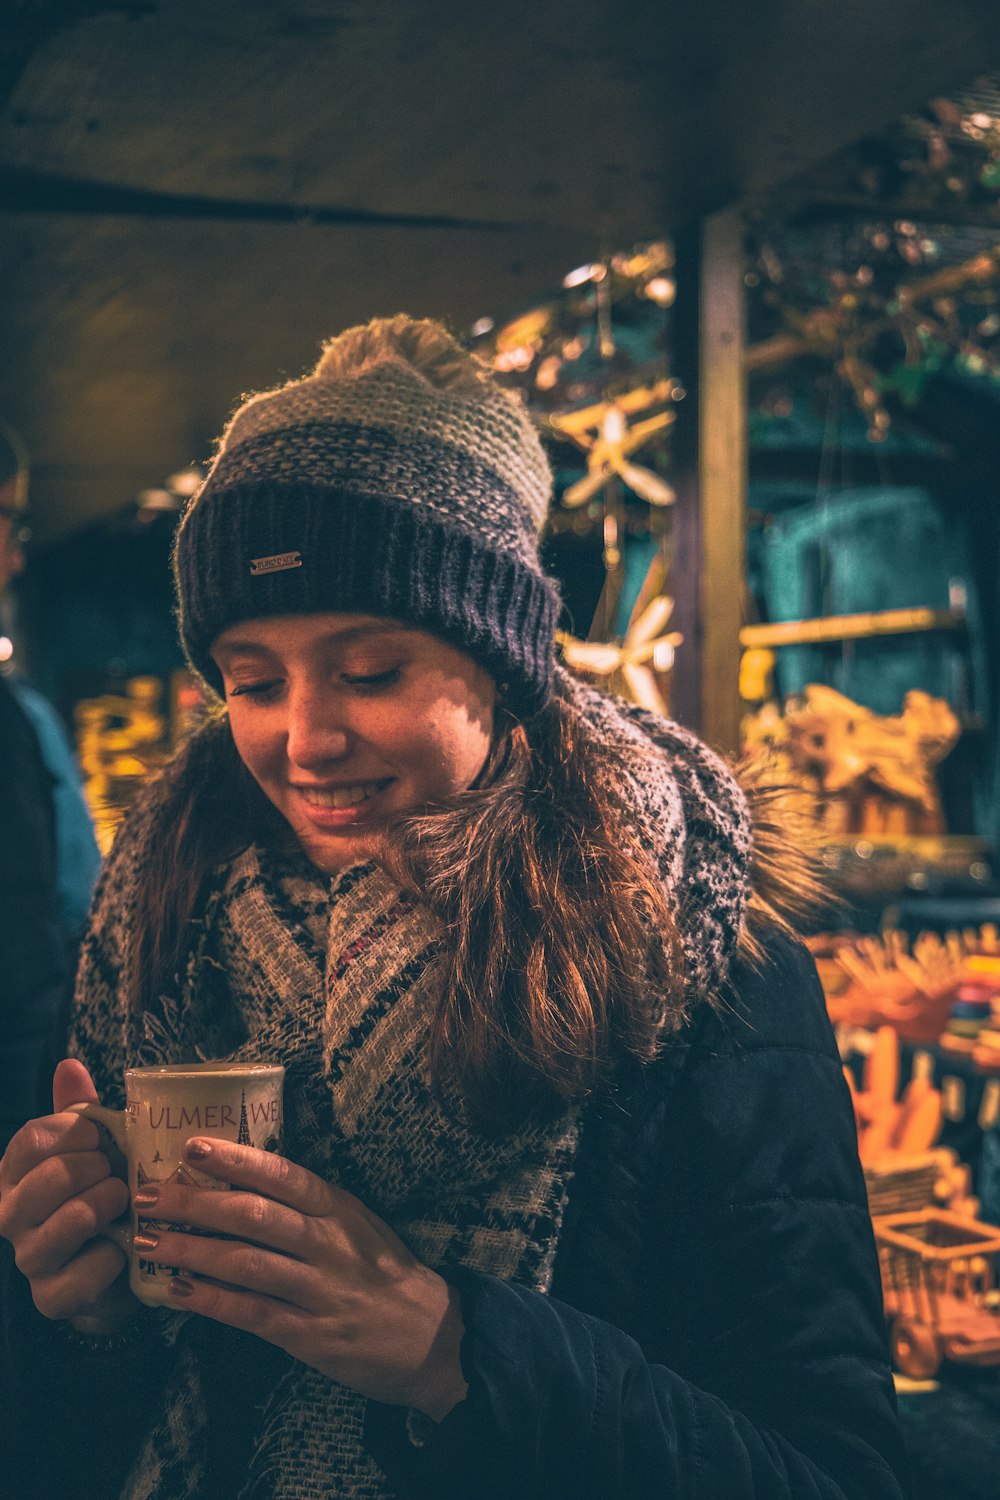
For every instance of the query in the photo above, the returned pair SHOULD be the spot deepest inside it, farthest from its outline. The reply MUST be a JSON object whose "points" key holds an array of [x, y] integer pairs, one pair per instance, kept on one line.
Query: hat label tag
{"points": [[276, 564]]}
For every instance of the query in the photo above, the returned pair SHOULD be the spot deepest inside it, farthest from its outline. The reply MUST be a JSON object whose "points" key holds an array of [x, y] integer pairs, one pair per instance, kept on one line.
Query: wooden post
{"points": [[722, 487], [709, 442], [684, 578]]}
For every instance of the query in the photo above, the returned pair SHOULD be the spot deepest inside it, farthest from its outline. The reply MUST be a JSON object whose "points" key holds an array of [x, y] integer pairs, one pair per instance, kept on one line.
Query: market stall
{"points": [[770, 408]]}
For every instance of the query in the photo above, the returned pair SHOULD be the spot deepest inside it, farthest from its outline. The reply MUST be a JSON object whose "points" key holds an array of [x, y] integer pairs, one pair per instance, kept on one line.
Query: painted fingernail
{"points": [[145, 1241], [145, 1197], [181, 1287], [198, 1149]]}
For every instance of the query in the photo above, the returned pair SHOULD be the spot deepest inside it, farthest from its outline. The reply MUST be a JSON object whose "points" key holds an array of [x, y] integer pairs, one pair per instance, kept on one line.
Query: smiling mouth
{"points": [[341, 796]]}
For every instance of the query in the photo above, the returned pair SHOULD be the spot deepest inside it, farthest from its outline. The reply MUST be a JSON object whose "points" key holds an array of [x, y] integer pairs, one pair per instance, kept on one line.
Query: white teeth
{"points": [[341, 796]]}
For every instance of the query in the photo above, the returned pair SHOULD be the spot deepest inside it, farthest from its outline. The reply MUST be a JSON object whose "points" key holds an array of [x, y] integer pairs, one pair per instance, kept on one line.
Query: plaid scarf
{"points": [[321, 974]]}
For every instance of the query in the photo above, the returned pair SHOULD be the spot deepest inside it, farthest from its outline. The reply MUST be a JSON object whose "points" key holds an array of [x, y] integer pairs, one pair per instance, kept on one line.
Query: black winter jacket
{"points": [[715, 1330]]}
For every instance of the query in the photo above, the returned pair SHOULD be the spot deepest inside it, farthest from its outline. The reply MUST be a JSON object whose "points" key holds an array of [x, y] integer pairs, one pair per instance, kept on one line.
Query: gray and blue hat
{"points": [[368, 487]]}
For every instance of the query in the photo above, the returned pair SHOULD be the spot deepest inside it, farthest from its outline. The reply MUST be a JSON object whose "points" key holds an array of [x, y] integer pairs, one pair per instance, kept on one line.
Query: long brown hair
{"points": [[559, 955]]}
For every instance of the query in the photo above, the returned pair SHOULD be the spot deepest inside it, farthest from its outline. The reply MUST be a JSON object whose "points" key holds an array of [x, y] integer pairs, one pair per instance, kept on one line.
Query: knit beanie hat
{"points": [[396, 480]]}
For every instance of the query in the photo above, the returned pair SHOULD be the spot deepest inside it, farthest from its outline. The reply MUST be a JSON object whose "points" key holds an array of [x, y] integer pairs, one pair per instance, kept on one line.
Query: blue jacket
{"points": [[48, 862], [32, 951], [78, 859]]}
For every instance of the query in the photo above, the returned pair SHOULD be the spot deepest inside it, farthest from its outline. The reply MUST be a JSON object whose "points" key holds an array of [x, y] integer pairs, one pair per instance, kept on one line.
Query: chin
{"points": [[333, 856]]}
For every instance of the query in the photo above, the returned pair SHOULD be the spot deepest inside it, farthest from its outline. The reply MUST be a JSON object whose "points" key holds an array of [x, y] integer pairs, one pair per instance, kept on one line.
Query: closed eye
{"points": [[253, 689], [374, 680]]}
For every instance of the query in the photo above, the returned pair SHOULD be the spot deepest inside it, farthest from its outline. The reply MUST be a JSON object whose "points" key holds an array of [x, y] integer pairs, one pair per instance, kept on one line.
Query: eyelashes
{"points": [[374, 679], [250, 689], [365, 682]]}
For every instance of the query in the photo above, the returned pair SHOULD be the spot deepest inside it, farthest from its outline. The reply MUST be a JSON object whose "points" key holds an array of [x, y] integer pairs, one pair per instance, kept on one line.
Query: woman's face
{"points": [[345, 720]]}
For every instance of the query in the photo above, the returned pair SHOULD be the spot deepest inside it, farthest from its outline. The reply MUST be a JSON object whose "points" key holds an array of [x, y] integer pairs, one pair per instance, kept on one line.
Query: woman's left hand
{"points": [[310, 1269]]}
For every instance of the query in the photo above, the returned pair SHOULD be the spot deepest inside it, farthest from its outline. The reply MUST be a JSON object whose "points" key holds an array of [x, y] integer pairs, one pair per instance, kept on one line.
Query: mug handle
{"points": [[113, 1121]]}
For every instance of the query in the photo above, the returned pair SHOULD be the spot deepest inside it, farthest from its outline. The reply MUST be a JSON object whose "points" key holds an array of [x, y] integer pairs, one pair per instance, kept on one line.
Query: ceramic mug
{"points": [[164, 1107]]}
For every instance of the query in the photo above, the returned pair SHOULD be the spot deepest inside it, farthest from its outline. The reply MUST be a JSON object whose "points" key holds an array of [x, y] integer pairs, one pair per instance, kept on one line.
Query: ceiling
{"points": [[193, 195]]}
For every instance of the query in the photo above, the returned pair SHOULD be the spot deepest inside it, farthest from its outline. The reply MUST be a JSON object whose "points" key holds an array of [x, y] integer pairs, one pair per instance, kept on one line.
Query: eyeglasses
{"points": [[18, 519]]}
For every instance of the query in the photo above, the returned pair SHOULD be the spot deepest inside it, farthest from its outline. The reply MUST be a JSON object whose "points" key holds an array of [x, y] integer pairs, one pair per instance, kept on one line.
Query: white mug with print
{"points": [[164, 1107]]}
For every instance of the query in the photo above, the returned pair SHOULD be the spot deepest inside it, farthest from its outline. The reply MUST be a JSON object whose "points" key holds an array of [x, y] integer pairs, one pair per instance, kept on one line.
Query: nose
{"points": [[316, 732]]}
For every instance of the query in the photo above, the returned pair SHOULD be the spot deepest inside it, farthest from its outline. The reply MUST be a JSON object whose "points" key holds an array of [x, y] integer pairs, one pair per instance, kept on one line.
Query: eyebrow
{"points": [[346, 636]]}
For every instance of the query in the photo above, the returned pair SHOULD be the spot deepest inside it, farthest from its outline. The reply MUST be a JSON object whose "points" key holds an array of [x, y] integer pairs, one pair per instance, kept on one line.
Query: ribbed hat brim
{"points": [[368, 555]]}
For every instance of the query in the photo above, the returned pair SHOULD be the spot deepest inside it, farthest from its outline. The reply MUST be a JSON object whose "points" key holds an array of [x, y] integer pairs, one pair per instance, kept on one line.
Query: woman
{"points": [[570, 1203]]}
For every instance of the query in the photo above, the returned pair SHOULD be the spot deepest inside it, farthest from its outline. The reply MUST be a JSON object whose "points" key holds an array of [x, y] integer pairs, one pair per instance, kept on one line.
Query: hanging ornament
{"points": [[608, 320], [612, 551], [518, 343], [883, 331], [645, 650], [604, 433]]}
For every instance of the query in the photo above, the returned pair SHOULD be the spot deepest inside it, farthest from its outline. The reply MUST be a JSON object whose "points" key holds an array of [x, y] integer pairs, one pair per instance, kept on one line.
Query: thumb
{"points": [[72, 1084]]}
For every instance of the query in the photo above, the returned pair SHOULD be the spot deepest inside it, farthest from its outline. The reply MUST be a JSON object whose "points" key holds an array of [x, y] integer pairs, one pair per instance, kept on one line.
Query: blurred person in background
{"points": [[48, 853]]}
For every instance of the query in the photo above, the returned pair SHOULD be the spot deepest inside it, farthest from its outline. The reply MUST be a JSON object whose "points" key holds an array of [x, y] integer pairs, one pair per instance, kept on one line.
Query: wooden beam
{"points": [[722, 474], [851, 627]]}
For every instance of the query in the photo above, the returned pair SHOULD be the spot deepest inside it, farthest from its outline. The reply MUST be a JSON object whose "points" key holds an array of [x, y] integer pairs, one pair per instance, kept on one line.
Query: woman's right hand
{"points": [[57, 1196]]}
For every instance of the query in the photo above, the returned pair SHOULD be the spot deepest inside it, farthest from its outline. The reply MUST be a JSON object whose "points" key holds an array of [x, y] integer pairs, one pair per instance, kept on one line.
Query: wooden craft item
{"points": [[938, 1289], [899, 1183], [865, 625], [891, 1127], [872, 774], [871, 981], [881, 983], [609, 454], [897, 1134], [844, 745], [609, 437], [587, 419], [986, 1051], [823, 330], [630, 667]]}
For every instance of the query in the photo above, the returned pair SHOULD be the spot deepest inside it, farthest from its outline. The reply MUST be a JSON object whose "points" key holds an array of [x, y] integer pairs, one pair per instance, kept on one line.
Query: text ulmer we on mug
{"points": [[164, 1107]]}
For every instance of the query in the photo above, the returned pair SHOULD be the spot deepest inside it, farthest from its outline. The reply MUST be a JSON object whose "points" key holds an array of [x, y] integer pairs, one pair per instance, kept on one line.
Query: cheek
{"points": [[251, 741], [453, 754]]}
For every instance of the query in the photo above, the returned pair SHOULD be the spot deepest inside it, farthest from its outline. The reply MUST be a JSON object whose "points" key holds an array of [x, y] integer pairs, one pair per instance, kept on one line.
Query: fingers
{"points": [[45, 1251], [52, 1183], [246, 1267], [74, 1290], [246, 1216], [55, 1133], [72, 1084], [268, 1319], [43, 1138], [265, 1172]]}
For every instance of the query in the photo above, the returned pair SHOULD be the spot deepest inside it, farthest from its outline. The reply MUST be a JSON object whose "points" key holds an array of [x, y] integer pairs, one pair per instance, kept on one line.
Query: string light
{"points": [[185, 482], [664, 655], [592, 272], [662, 290]]}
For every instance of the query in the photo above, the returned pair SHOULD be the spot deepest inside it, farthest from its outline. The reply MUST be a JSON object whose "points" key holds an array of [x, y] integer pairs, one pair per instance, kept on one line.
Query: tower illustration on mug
{"points": [[183, 1175]]}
